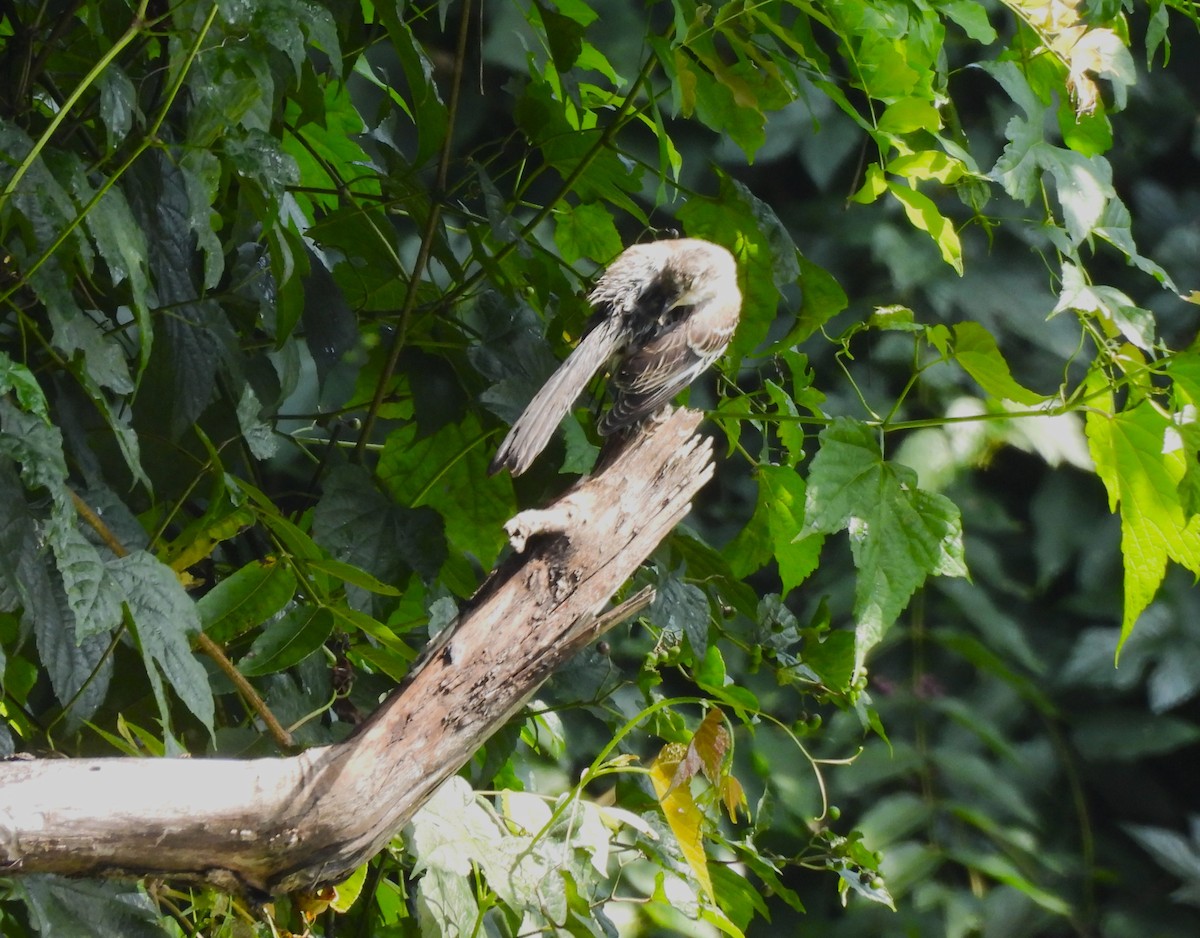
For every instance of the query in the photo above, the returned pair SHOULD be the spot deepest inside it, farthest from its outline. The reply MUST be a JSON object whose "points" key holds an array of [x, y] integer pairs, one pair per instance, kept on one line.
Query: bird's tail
{"points": [[533, 429]]}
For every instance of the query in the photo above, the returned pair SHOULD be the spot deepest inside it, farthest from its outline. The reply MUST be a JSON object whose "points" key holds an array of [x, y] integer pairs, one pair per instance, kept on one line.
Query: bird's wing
{"points": [[651, 376], [533, 429]]}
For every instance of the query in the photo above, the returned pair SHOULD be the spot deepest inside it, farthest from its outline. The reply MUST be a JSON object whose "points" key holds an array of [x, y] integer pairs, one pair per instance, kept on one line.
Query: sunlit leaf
{"points": [[682, 813], [899, 534], [1142, 475]]}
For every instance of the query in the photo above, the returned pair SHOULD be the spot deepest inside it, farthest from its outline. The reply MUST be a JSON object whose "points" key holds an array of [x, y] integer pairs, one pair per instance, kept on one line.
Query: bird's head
{"points": [[697, 272]]}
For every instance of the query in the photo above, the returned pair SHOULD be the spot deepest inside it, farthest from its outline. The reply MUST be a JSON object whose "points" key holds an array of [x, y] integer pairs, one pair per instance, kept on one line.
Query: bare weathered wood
{"points": [[280, 824]]}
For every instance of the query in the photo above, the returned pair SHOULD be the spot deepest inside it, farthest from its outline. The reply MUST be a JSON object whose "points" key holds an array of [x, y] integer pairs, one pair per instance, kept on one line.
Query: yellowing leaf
{"points": [[733, 796], [348, 891], [711, 743], [682, 813]]}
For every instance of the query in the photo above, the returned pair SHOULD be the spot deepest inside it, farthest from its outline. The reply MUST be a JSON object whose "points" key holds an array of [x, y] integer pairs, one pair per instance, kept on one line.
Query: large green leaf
{"points": [[1142, 473], [976, 351], [448, 471], [899, 534], [287, 641], [165, 619], [358, 524], [246, 598], [92, 592], [60, 906], [766, 255]]}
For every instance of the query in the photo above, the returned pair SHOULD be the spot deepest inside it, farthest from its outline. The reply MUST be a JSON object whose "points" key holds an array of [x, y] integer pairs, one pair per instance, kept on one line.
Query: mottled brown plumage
{"points": [[665, 312]]}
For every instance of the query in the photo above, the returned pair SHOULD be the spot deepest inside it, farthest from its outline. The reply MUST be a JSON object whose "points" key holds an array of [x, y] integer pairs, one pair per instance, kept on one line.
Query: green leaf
{"points": [[1083, 184], [122, 244], [258, 432], [682, 607], [716, 103], [822, 298], [36, 447], [787, 428], [564, 35], [59, 906], [102, 357], [429, 114], [19, 380], [326, 150], [737, 897], [899, 534], [79, 671], [586, 231], [1089, 134], [972, 17], [766, 255], [165, 619], [287, 641], [358, 524], [93, 594], [118, 104], [976, 351], [908, 115], [246, 598], [352, 575], [928, 164], [771, 534], [581, 452], [831, 658], [180, 379], [1131, 735], [1135, 323], [1142, 475], [259, 157], [711, 675], [1172, 850], [783, 491], [448, 471], [923, 214]]}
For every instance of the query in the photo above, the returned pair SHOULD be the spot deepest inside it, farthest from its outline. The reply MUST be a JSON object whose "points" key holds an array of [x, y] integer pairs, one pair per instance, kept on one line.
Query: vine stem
{"points": [[148, 139], [427, 238], [139, 20], [605, 138]]}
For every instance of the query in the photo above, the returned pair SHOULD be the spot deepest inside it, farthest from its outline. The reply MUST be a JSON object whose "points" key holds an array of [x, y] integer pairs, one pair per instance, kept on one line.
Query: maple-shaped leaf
{"points": [[1141, 468], [899, 534]]}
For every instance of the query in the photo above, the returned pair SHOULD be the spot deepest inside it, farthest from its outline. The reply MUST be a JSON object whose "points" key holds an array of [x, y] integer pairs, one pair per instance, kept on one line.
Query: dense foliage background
{"points": [[275, 277]]}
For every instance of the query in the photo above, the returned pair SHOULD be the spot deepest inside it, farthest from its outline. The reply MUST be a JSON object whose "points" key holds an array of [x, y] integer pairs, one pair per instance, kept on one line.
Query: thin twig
{"points": [[400, 339]]}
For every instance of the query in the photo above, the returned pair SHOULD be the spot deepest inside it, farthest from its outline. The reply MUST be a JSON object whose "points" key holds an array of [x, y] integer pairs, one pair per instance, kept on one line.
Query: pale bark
{"points": [[280, 824]]}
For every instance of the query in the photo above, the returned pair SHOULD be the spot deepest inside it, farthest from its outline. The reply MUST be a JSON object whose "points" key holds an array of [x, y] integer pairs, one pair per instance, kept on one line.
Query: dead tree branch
{"points": [[280, 824]]}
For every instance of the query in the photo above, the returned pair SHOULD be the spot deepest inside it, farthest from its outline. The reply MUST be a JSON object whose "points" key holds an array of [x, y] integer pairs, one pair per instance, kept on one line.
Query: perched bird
{"points": [[665, 311]]}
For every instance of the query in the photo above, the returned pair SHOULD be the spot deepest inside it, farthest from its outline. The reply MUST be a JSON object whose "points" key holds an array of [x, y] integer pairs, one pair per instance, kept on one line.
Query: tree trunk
{"points": [[280, 824]]}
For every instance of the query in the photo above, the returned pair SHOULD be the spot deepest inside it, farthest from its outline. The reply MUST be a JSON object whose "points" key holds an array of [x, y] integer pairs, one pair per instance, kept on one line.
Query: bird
{"points": [[665, 311]]}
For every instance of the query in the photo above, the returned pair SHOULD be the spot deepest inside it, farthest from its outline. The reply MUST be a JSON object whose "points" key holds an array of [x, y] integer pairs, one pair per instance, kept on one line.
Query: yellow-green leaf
{"points": [[976, 351], [1141, 472], [924, 215], [682, 813]]}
